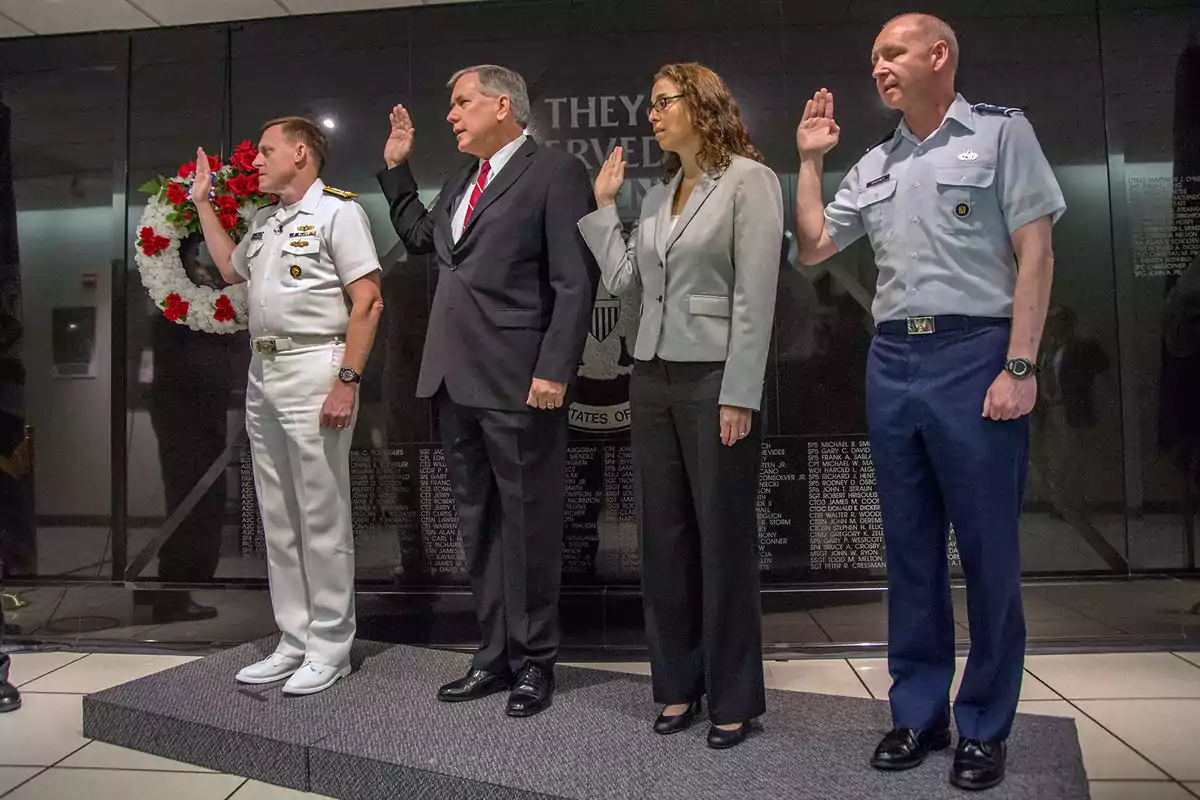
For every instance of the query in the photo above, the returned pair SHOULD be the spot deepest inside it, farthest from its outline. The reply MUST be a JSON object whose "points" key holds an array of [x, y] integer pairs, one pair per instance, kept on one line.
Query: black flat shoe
{"points": [[905, 748], [719, 739], [678, 722], [475, 684], [532, 693], [10, 698], [978, 765]]}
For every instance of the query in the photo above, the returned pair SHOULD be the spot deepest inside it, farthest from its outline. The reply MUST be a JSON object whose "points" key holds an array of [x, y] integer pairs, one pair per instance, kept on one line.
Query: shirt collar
{"points": [[308, 203], [959, 111], [504, 154]]}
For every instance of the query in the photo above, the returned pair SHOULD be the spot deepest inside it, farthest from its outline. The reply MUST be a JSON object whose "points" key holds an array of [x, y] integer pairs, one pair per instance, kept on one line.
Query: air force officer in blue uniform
{"points": [[958, 204]]}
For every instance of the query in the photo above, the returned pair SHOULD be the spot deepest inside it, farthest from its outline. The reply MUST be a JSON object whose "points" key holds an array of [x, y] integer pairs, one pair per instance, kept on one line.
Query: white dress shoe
{"points": [[274, 667], [313, 677]]}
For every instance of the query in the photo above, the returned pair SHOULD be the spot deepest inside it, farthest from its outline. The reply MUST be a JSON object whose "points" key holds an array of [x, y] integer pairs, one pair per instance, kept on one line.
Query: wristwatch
{"points": [[1020, 368], [349, 375]]}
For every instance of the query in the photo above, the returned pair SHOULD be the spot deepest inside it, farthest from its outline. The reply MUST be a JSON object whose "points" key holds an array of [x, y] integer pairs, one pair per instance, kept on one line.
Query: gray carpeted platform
{"points": [[381, 734]]}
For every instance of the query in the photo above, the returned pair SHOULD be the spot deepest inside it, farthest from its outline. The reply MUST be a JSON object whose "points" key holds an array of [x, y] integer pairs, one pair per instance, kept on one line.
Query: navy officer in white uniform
{"points": [[958, 204], [315, 304]]}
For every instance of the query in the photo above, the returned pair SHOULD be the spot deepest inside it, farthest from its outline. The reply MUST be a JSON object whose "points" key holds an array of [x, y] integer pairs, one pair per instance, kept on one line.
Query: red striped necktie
{"points": [[480, 184]]}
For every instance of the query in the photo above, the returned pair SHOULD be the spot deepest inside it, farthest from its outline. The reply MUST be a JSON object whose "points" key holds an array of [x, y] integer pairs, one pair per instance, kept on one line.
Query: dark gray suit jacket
{"points": [[515, 293]]}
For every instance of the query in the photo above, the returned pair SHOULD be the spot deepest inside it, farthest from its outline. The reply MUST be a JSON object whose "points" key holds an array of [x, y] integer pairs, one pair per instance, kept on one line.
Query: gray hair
{"points": [[495, 81], [935, 30]]}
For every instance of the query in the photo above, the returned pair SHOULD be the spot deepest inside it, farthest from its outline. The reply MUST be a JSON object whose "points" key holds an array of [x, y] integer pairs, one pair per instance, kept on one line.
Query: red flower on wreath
{"points": [[243, 156], [224, 312], [229, 221], [227, 204], [176, 308], [187, 169], [176, 194], [151, 243], [243, 185]]}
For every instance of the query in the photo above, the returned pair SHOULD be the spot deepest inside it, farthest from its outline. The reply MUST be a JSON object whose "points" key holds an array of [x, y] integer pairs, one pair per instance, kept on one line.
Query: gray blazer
{"points": [[708, 285]]}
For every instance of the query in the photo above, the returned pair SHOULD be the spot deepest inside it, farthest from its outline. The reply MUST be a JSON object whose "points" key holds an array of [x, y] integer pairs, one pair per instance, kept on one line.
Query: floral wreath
{"points": [[170, 217]]}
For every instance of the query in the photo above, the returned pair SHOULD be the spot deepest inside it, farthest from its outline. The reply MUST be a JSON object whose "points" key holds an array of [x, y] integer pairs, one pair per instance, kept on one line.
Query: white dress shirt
{"points": [[501, 157]]}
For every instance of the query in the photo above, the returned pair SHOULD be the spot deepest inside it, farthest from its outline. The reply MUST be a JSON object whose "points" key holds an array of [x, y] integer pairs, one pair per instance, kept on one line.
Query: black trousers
{"points": [[506, 472], [699, 541], [191, 436], [4, 659]]}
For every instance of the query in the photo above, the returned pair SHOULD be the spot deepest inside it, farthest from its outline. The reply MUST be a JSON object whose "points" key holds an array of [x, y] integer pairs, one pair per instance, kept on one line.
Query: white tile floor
{"points": [[1138, 716]]}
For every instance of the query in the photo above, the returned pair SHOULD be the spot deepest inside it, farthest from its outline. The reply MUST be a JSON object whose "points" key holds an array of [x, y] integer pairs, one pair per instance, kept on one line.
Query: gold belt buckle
{"points": [[265, 345], [918, 326]]}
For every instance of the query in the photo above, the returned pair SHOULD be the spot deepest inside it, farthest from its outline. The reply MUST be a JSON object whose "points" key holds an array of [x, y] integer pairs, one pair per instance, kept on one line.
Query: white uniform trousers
{"points": [[302, 476]]}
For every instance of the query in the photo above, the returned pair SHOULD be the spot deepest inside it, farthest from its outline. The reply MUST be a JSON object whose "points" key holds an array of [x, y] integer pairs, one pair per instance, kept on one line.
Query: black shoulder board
{"points": [[342, 193], [884, 140], [997, 111]]}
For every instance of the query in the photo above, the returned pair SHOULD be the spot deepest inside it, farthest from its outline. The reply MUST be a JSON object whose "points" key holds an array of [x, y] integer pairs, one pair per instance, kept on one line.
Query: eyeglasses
{"points": [[661, 104]]}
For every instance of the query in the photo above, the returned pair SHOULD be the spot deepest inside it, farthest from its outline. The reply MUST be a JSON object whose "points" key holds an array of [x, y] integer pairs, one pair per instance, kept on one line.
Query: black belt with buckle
{"points": [[923, 326]]}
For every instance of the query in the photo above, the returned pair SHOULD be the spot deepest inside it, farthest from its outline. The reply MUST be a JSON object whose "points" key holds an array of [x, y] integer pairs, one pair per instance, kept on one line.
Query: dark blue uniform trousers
{"points": [[938, 461]]}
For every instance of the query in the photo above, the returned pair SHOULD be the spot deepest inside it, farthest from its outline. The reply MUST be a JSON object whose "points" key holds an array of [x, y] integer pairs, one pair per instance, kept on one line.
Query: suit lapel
{"points": [[513, 170], [662, 223], [700, 193]]}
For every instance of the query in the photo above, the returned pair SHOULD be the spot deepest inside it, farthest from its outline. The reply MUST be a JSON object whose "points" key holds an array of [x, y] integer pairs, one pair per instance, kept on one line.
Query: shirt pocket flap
{"points": [[709, 305], [978, 176], [520, 318], [873, 194]]}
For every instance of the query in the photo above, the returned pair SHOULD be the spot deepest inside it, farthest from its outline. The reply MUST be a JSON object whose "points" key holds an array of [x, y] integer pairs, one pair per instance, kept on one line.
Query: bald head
{"points": [[913, 63], [931, 30]]}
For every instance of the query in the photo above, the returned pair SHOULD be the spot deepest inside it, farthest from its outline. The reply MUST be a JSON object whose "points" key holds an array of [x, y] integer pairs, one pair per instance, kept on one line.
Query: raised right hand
{"points": [[610, 178], [817, 133], [203, 180], [400, 142]]}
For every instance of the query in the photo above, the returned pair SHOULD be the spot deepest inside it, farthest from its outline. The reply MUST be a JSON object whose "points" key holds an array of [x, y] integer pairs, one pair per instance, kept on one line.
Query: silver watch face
{"points": [[347, 374], [1019, 368]]}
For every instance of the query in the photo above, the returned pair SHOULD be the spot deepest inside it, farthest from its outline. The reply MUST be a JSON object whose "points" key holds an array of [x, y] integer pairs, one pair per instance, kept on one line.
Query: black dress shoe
{"points": [[532, 693], [905, 748], [678, 722], [475, 684], [10, 698], [978, 765], [720, 739], [187, 612]]}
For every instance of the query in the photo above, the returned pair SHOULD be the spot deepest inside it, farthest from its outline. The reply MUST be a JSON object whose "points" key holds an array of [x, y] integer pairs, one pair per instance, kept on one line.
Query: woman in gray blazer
{"points": [[705, 255]]}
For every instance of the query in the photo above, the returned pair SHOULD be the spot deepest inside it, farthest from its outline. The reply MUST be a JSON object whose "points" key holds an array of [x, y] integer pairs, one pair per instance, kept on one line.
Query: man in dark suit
{"points": [[509, 320]]}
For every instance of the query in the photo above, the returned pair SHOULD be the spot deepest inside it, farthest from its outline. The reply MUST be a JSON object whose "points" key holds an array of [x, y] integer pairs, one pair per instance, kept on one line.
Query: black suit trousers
{"points": [[4, 659], [506, 473], [699, 541]]}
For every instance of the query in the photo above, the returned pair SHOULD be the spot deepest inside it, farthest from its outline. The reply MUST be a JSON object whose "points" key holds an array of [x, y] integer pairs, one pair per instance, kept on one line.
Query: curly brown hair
{"points": [[715, 116]]}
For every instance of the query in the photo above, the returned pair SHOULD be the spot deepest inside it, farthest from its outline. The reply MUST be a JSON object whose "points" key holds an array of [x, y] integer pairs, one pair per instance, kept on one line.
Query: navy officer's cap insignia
{"points": [[995, 111], [295, 271], [342, 193], [256, 237], [878, 181], [962, 210]]}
